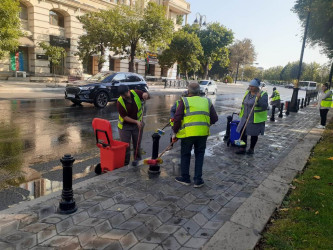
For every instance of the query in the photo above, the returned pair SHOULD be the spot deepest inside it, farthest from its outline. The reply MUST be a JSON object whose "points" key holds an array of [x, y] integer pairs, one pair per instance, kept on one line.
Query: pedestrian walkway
{"points": [[128, 209]]}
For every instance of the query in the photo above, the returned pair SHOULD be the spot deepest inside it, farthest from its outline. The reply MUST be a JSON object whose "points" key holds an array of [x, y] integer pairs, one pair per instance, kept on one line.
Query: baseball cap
{"points": [[255, 82]]}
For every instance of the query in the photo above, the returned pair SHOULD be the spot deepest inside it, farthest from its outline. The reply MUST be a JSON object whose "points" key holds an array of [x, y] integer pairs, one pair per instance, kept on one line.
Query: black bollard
{"points": [[281, 110], [155, 169], [67, 204], [273, 114], [287, 107], [302, 103], [227, 133], [308, 100], [298, 102]]}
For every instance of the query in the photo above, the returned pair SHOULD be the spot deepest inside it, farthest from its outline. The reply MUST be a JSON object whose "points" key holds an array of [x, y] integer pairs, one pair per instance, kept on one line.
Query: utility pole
{"points": [[293, 103]]}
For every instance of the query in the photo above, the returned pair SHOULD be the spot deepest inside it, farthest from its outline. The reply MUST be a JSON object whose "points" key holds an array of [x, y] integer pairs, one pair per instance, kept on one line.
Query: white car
{"points": [[208, 87]]}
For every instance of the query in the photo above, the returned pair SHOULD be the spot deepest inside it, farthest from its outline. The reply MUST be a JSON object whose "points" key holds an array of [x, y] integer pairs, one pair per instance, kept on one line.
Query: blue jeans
{"points": [[199, 143]]}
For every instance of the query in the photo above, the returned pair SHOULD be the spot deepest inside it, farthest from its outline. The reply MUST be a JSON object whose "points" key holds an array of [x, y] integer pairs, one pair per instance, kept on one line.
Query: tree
{"points": [[273, 73], [214, 39], [320, 31], [290, 71], [251, 72], [241, 53], [185, 48], [55, 55], [102, 29], [9, 26], [143, 27]]}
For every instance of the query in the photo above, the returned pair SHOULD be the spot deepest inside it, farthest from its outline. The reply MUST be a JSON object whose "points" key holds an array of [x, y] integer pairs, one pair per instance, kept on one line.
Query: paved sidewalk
{"points": [[127, 209]]}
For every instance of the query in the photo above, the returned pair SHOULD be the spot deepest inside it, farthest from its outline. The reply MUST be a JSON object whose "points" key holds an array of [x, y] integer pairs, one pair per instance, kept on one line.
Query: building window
{"points": [[56, 19], [23, 12]]}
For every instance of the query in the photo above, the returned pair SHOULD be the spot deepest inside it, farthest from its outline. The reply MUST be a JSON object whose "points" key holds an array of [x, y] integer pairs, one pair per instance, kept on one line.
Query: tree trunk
{"points": [[101, 60], [237, 72], [132, 57], [186, 75], [206, 69]]}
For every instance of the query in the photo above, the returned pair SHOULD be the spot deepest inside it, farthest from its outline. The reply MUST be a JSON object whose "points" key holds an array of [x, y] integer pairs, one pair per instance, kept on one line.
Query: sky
{"points": [[274, 29]]}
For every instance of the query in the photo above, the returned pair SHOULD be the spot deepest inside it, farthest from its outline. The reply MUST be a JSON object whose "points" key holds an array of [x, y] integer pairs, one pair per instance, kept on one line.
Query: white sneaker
{"points": [[320, 126]]}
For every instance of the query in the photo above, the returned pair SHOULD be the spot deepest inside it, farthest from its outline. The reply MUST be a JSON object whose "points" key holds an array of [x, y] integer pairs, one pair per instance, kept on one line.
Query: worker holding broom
{"points": [[253, 115], [192, 120], [130, 125]]}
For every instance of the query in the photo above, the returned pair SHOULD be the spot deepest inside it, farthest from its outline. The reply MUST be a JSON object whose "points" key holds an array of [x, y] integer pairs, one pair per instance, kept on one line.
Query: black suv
{"points": [[103, 87]]}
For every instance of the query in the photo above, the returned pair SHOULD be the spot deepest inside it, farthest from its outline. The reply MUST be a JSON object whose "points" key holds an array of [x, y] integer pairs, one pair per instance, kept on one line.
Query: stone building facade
{"points": [[55, 22]]}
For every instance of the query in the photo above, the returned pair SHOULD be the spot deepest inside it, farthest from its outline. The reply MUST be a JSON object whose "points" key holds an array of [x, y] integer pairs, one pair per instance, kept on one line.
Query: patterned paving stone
{"points": [[128, 241], [115, 234], [182, 236], [170, 244]]}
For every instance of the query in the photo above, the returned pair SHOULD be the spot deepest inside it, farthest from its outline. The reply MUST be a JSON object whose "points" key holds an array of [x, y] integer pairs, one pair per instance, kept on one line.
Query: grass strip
{"points": [[305, 219]]}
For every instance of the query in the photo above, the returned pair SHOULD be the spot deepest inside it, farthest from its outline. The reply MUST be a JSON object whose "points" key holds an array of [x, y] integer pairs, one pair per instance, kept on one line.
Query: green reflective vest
{"points": [[171, 122], [138, 104], [327, 102], [260, 115], [196, 119], [276, 96]]}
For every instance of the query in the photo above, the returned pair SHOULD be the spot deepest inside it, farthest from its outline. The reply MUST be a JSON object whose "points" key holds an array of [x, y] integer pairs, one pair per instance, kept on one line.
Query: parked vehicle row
{"points": [[103, 88]]}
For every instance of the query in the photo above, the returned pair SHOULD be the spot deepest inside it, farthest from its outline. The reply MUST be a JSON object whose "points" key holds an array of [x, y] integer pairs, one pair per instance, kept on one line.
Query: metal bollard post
{"points": [[272, 119], [302, 102], [308, 100], [287, 107], [305, 102], [298, 102], [227, 133], [155, 169], [67, 204], [281, 110]]}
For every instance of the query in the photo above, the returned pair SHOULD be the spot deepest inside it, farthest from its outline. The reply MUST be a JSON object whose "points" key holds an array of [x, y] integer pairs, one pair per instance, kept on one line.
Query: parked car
{"points": [[103, 87], [208, 86], [289, 85]]}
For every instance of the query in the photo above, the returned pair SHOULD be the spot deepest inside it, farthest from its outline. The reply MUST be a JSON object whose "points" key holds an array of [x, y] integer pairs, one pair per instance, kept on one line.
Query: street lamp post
{"points": [[201, 20], [293, 103]]}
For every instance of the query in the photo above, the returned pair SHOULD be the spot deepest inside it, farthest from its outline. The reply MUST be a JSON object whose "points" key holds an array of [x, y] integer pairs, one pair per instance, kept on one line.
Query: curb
{"points": [[250, 219]]}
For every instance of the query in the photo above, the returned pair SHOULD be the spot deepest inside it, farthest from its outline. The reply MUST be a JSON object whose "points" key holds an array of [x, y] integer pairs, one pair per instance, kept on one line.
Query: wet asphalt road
{"points": [[36, 132]]}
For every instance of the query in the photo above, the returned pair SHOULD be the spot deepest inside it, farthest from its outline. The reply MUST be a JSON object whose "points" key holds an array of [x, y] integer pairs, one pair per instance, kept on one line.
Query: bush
{"points": [[228, 79]]}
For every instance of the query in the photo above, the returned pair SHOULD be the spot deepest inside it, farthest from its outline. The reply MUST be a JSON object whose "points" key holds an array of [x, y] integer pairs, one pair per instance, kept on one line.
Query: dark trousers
{"points": [[199, 143], [323, 116], [130, 132], [254, 140]]}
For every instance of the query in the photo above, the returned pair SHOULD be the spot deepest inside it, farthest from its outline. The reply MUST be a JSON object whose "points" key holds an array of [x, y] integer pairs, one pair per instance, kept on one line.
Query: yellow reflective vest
{"points": [[138, 104], [276, 96], [260, 115], [196, 119], [327, 102]]}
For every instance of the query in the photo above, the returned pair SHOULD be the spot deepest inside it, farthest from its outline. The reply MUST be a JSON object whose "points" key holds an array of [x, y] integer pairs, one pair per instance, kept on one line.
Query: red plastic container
{"points": [[112, 152]]}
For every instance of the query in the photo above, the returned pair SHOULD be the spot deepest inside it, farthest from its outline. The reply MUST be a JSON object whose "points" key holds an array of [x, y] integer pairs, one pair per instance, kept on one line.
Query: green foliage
{"points": [[54, 53], [102, 29], [9, 26], [143, 29], [180, 19], [214, 39], [185, 48], [251, 72], [241, 53], [320, 29], [306, 221], [228, 79]]}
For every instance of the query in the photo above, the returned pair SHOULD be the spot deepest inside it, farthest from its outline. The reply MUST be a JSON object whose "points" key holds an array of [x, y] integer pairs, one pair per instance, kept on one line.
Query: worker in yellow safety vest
{"points": [[130, 125], [252, 121], [325, 103], [275, 98], [192, 120]]}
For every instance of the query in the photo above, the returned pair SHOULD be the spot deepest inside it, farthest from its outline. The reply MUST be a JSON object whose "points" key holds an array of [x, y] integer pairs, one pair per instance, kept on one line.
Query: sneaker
{"points": [[320, 127], [250, 151], [198, 184], [241, 151], [183, 181]]}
